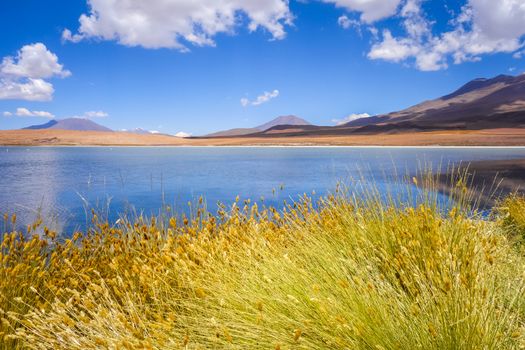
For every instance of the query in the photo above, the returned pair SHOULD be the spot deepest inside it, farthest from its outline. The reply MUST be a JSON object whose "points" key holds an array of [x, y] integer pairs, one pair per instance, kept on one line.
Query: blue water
{"points": [[62, 183]]}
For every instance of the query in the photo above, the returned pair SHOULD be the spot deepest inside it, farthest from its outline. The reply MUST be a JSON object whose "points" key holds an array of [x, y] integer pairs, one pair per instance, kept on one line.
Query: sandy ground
{"points": [[489, 137]]}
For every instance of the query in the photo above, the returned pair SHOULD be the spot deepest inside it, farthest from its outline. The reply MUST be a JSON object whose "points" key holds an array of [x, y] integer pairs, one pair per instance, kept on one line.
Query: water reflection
{"points": [[62, 183]]}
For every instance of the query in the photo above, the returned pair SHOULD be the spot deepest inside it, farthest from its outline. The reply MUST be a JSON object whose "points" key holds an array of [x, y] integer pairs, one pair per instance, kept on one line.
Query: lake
{"points": [[63, 183]]}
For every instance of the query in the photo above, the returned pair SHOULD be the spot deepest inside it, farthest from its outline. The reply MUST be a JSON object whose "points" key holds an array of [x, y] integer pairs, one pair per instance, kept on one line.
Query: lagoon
{"points": [[64, 183]]}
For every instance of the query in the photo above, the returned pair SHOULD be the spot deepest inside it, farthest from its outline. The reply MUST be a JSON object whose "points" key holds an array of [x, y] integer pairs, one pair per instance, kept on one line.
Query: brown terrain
{"points": [[483, 112], [52, 137]]}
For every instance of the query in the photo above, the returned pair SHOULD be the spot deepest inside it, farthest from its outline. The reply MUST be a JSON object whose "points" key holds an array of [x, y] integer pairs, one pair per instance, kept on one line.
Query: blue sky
{"points": [[199, 66]]}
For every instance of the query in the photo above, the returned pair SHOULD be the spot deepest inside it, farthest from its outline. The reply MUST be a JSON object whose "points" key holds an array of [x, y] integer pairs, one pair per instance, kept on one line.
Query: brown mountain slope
{"points": [[78, 124], [279, 121], [283, 120], [234, 132], [480, 104]]}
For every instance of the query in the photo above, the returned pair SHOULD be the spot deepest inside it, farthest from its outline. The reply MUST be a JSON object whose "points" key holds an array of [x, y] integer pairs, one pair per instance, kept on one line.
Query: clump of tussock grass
{"points": [[511, 213], [346, 273]]}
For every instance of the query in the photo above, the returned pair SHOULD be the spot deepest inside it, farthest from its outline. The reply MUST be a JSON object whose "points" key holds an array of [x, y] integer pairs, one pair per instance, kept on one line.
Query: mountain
{"points": [[78, 124], [140, 131], [283, 120], [279, 121], [47, 125], [234, 132], [480, 104]]}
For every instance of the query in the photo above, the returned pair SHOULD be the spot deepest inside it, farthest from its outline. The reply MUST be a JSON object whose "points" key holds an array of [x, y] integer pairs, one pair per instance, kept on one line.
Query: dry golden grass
{"points": [[489, 137], [348, 273]]}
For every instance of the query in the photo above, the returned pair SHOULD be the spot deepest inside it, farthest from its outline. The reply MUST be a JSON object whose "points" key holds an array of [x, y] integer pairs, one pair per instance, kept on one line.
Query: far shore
{"points": [[489, 179], [488, 137]]}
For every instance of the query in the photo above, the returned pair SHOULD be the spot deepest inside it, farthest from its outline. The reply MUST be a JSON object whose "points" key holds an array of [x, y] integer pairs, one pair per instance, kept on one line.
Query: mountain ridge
{"points": [[474, 104], [72, 124], [291, 120]]}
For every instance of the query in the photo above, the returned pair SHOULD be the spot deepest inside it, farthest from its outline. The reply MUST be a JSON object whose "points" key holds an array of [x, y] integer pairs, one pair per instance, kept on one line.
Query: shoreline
{"points": [[7, 146], [488, 180]]}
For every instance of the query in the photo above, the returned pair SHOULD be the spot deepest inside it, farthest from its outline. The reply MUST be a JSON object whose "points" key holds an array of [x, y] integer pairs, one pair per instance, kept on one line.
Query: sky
{"points": [[198, 66]]}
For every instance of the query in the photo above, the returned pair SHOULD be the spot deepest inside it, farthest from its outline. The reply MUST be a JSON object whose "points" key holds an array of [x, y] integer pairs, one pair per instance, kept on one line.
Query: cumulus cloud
{"points": [[33, 61], [22, 77], [29, 90], [175, 23], [265, 97], [182, 134], [24, 112], [350, 118], [371, 10], [483, 27]]}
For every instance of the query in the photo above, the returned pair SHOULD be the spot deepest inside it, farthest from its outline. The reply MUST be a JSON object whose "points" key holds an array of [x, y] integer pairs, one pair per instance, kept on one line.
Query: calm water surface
{"points": [[61, 182]]}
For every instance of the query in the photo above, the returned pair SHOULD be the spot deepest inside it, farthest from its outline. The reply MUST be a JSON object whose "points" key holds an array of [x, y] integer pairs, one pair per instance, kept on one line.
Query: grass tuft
{"points": [[346, 273]]}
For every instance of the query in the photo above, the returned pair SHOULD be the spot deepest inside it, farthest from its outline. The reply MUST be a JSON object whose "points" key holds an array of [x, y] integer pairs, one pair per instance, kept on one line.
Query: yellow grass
{"points": [[350, 273]]}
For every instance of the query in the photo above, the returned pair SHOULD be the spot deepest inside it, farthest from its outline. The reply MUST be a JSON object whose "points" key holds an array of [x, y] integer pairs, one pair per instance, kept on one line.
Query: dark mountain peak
{"points": [[283, 120], [47, 125], [74, 124], [480, 83]]}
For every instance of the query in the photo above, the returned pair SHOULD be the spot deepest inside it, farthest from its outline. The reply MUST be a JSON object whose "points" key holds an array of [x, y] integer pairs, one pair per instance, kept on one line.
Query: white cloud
{"points": [[519, 54], [245, 102], [371, 10], [350, 118], [33, 61], [29, 90], [91, 115], [24, 112], [393, 49], [265, 97], [67, 35], [182, 134], [22, 77], [502, 19], [483, 27], [345, 22], [174, 23], [96, 114]]}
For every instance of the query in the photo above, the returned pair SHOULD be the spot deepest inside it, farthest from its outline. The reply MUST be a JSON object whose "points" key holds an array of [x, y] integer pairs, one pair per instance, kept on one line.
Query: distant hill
{"points": [[283, 120], [279, 121], [77, 124], [234, 132], [47, 125], [140, 131], [480, 104]]}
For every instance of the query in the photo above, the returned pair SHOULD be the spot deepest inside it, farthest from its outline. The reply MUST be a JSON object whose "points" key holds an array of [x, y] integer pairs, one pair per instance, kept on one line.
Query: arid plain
{"points": [[486, 137]]}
